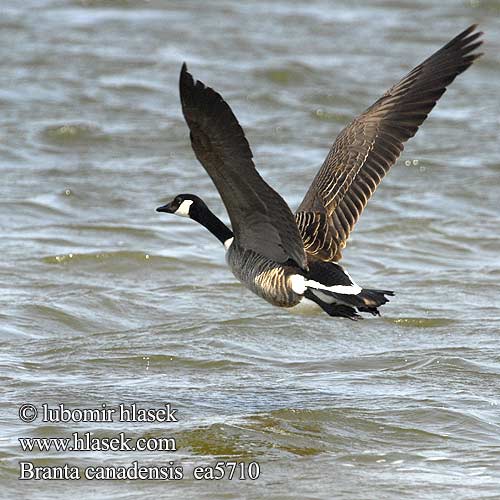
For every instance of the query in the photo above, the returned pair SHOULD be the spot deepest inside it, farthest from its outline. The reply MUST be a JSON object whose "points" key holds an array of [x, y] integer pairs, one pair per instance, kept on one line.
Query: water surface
{"points": [[103, 300]]}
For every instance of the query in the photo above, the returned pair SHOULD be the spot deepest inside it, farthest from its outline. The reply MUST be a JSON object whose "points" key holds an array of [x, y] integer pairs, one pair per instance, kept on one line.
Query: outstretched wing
{"points": [[367, 148], [260, 218]]}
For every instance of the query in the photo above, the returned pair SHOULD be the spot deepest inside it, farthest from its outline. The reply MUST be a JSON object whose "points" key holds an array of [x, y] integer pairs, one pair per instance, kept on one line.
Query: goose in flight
{"points": [[284, 258]]}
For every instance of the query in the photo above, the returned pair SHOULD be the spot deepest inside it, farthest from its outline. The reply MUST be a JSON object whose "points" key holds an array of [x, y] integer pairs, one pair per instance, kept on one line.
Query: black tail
{"points": [[372, 300], [326, 276]]}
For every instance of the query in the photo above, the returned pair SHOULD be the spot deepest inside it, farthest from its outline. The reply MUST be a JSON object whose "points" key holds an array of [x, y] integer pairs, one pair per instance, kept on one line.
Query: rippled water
{"points": [[105, 301]]}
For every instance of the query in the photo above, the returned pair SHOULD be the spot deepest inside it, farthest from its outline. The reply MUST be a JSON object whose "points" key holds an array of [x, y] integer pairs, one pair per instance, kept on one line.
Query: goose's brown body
{"points": [[263, 276]]}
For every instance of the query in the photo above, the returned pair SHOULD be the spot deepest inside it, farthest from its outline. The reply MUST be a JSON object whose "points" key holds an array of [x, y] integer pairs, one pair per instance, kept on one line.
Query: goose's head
{"points": [[190, 205], [185, 205]]}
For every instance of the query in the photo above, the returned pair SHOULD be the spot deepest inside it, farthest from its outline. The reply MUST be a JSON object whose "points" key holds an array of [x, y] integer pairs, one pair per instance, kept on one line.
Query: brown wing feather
{"points": [[260, 218], [367, 148]]}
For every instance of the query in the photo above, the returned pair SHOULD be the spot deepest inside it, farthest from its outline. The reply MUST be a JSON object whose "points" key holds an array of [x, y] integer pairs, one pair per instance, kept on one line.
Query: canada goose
{"points": [[287, 259]]}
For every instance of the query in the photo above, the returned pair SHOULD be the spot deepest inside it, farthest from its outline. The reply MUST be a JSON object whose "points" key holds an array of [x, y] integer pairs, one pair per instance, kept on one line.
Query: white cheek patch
{"points": [[228, 243], [183, 209]]}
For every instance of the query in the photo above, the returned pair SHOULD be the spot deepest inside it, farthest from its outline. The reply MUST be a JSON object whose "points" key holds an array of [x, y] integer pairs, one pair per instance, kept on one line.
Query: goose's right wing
{"points": [[367, 148], [260, 218]]}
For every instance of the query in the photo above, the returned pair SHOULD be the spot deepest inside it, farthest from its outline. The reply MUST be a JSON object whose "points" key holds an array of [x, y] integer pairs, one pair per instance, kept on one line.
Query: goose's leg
{"points": [[333, 309]]}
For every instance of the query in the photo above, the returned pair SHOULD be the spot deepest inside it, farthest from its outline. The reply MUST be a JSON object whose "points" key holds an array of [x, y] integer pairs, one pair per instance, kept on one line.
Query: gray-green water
{"points": [[103, 300]]}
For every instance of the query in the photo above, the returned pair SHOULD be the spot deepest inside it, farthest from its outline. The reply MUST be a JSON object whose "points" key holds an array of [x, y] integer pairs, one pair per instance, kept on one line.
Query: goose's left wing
{"points": [[367, 148], [260, 218]]}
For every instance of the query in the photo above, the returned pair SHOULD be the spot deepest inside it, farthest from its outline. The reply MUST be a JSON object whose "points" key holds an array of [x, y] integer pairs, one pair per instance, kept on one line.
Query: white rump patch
{"points": [[228, 243], [298, 283], [183, 209], [351, 289]]}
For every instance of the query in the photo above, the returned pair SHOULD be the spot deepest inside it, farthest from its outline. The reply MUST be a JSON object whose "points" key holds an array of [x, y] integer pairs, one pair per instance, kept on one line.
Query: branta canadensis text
{"points": [[286, 258]]}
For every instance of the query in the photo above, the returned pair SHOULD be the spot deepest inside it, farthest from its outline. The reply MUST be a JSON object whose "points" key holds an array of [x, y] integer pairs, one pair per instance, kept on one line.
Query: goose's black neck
{"points": [[202, 214]]}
